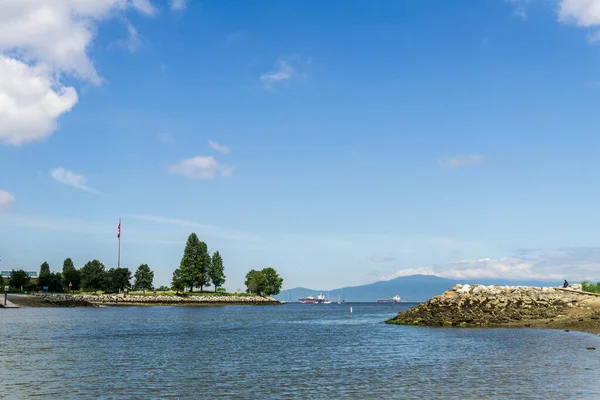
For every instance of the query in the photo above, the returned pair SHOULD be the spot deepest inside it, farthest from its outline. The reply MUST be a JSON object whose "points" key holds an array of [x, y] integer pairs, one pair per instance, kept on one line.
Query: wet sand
{"points": [[28, 301], [584, 318]]}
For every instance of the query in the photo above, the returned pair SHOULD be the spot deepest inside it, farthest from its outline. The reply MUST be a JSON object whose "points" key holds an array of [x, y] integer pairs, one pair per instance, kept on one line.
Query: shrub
{"points": [[588, 286]]}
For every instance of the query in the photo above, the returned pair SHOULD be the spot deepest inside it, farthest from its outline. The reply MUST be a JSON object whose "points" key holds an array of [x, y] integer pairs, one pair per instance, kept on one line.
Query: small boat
{"points": [[393, 300]]}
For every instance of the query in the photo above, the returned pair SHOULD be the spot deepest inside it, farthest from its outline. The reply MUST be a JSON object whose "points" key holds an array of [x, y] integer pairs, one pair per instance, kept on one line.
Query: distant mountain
{"points": [[409, 288]]}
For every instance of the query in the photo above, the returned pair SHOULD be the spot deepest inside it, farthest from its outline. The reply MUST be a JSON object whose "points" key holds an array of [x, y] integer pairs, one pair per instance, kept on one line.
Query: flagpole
{"points": [[119, 260]]}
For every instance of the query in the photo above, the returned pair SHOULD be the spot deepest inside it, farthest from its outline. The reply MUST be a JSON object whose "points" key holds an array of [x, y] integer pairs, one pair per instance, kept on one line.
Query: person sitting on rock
{"points": [[566, 284]]}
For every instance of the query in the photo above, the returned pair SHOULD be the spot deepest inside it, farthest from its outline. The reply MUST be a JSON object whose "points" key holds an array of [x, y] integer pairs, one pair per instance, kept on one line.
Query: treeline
{"points": [[93, 276], [198, 269]]}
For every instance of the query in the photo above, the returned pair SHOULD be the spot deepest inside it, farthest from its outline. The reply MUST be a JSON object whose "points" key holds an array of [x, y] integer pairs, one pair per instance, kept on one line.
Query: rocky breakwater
{"points": [[94, 300], [479, 305]]}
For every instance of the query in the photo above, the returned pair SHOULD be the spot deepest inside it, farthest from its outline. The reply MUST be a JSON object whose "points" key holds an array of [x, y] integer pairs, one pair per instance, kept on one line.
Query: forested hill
{"points": [[409, 288]]}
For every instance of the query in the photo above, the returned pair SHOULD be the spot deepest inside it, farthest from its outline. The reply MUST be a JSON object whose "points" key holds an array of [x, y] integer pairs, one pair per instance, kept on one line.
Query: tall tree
{"points": [[177, 283], [190, 262], [18, 278], [55, 284], [255, 282], [93, 275], [203, 277], [44, 277], [117, 279], [216, 272], [70, 274], [143, 278], [273, 281], [45, 268]]}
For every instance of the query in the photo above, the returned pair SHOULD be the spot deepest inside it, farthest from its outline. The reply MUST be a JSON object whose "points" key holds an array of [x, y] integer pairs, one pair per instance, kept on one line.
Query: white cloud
{"points": [[201, 167], [30, 102], [40, 42], [494, 268], [133, 42], [585, 13], [6, 200], [460, 161], [177, 5], [70, 178], [144, 6], [283, 73], [570, 263], [218, 147], [520, 7]]}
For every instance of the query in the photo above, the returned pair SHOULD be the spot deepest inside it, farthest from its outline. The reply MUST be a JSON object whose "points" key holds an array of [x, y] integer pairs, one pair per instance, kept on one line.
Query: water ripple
{"points": [[293, 351]]}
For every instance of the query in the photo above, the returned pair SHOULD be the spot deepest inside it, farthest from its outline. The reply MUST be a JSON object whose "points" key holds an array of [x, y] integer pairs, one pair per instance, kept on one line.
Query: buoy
{"points": [[350, 310]]}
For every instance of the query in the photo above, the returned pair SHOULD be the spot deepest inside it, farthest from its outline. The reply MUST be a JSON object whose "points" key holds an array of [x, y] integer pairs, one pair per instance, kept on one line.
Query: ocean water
{"points": [[295, 351]]}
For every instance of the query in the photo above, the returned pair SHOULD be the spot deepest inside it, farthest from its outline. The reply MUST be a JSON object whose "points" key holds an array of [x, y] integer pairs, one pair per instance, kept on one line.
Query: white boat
{"points": [[394, 300]]}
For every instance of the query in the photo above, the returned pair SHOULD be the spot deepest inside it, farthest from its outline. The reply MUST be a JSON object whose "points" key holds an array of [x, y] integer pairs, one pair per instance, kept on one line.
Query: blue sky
{"points": [[340, 142]]}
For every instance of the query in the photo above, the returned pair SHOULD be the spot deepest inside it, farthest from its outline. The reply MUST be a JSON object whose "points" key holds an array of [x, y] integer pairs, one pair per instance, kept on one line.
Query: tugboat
{"points": [[393, 300]]}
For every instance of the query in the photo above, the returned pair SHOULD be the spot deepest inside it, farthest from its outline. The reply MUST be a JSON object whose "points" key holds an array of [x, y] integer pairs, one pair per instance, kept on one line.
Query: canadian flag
{"points": [[119, 230]]}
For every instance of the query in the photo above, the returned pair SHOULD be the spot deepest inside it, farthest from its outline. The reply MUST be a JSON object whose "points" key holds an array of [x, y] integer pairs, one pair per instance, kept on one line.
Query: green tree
{"points": [[143, 278], [203, 277], [189, 267], [216, 272], [18, 278], [255, 282], [71, 275], [93, 275], [117, 279], [45, 268], [273, 282], [44, 277], [178, 283], [55, 284]]}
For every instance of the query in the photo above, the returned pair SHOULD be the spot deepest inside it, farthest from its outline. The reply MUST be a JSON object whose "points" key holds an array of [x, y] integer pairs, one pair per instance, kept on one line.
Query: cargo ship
{"points": [[393, 300], [320, 299]]}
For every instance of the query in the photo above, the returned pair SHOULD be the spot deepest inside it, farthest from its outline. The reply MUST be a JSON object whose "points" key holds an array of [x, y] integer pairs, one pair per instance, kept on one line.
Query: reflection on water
{"points": [[290, 351]]}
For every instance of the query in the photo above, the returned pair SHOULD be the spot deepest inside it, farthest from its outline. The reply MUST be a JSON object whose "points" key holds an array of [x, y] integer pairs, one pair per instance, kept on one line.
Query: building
{"points": [[6, 274]]}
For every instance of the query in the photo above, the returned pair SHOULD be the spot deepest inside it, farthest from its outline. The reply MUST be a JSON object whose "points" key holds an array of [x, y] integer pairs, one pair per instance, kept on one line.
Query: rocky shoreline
{"points": [[97, 300], [508, 306]]}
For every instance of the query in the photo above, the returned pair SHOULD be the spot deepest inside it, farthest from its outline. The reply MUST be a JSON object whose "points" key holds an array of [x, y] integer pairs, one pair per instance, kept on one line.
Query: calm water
{"points": [[291, 351]]}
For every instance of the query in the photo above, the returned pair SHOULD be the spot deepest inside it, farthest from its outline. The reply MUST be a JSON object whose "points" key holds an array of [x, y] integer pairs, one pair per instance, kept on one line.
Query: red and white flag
{"points": [[119, 230]]}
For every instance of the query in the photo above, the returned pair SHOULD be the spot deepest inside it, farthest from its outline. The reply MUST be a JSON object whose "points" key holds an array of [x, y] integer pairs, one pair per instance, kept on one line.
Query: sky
{"points": [[340, 142]]}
